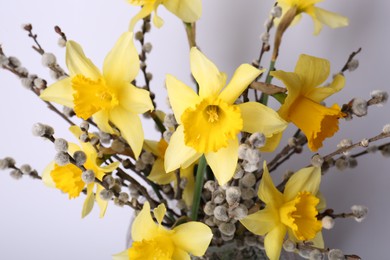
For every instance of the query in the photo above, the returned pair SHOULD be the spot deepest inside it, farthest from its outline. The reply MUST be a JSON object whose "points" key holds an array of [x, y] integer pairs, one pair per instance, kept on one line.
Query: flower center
{"points": [[159, 248], [91, 96], [300, 215], [68, 179], [210, 125]]}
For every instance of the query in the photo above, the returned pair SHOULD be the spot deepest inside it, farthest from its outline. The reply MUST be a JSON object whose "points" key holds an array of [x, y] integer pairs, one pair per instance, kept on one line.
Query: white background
{"points": [[41, 223]]}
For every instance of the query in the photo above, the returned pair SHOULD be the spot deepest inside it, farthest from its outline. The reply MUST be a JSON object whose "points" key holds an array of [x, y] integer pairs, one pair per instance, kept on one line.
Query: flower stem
{"points": [[264, 97], [198, 187]]}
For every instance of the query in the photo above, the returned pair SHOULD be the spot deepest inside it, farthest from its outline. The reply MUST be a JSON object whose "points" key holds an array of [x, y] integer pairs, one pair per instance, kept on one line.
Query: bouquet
{"points": [[202, 186]]}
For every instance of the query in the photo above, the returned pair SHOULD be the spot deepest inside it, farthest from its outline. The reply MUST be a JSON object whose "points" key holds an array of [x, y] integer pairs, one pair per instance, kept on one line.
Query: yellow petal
{"points": [[306, 179], [143, 225], [210, 80], [110, 168], [188, 192], [312, 71], [180, 96], [157, 21], [159, 213], [145, 11], [318, 240], [60, 92], [131, 128], [319, 94], [331, 19], [273, 242], [267, 190], [101, 203], [187, 10], [192, 237], [78, 63], [158, 174], [152, 147], [322, 204], [223, 172], [121, 64], [101, 118], [260, 118], [135, 99], [261, 222], [272, 142], [88, 203], [243, 76], [46, 177], [180, 254], [124, 255], [177, 152]]}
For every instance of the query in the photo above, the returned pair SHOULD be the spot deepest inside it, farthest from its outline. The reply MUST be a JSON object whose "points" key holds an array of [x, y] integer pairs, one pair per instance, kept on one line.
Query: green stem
{"points": [[198, 187], [264, 97]]}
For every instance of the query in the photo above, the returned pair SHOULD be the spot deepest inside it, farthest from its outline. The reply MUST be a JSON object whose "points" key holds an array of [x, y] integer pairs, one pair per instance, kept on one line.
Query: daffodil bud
{"points": [[327, 222], [61, 145], [336, 254], [360, 212], [88, 176], [16, 174]]}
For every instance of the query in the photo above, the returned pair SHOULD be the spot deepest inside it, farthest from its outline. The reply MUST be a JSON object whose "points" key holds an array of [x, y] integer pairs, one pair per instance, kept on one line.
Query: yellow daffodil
{"points": [[293, 212], [153, 241], [187, 10], [302, 105], [108, 97], [319, 15], [68, 178], [158, 174], [209, 123]]}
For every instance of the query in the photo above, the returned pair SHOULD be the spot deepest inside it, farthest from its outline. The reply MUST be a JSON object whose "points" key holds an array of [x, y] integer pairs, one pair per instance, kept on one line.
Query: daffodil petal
{"points": [[267, 190], [88, 203], [135, 99], [177, 152], [145, 11], [331, 19], [306, 179], [223, 172], [187, 10], [121, 64], [312, 71], [180, 96], [188, 192], [46, 177], [157, 20], [124, 255], [322, 204], [242, 77], [78, 63], [131, 128], [192, 237], [158, 174], [318, 240], [271, 143], [319, 94], [111, 167], [143, 225], [59, 92], [261, 222], [210, 80], [101, 118], [159, 213], [151, 147], [260, 118], [179, 254], [273, 242], [101, 203]]}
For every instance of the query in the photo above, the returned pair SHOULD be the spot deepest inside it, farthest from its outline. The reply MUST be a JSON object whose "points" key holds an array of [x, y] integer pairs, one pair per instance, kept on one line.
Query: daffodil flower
{"points": [[108, 96], [158, 174], [319, 15], [209, 123], [302, 105], [153, 241], [187, 10], [293, 212], [68, 178]]}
